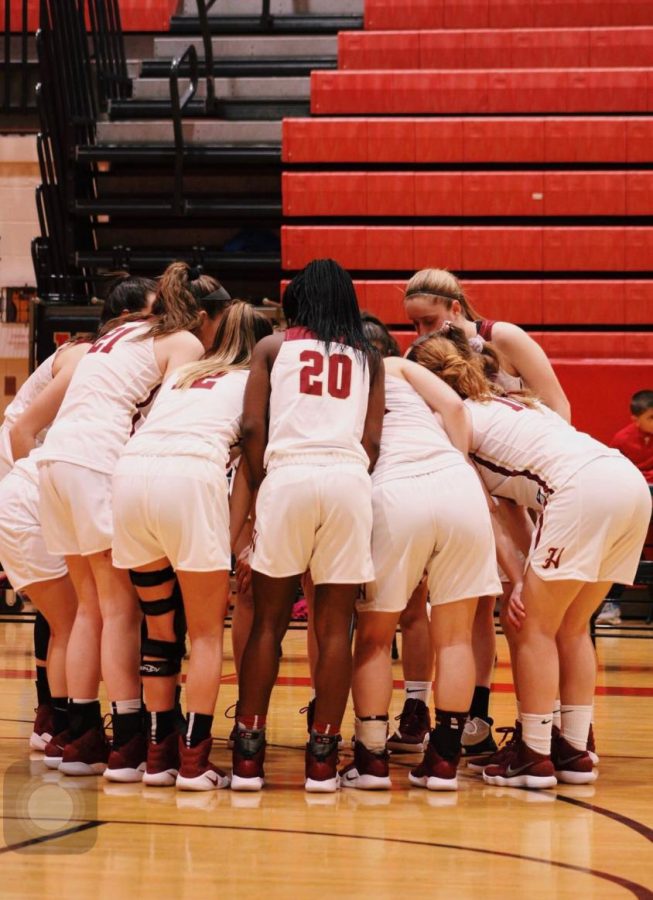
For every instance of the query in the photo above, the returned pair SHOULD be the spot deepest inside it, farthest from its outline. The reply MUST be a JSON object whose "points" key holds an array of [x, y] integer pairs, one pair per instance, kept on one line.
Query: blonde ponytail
{"points": [[240, 329]]}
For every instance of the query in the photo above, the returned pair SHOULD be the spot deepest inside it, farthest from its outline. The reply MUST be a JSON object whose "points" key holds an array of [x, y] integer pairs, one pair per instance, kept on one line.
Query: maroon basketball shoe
{"points": [[247, 772], [196, 772], [127, 763], [435, 773], [43, 728], [522, 767], [53, 753], [511, 737], [572, 766], [368, 772], [86, 755], [162, 763], [321, 763], [412, 735]]}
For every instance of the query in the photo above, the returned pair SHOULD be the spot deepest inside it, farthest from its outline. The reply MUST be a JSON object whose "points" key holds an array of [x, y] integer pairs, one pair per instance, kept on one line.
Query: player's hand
{"points": [[516, 611], [243, 571]]}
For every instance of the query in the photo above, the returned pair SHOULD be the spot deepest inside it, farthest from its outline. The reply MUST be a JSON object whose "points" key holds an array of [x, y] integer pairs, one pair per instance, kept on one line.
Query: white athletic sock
{"points": [[576, 721], [373, 733], [536, 731], [123, 707], [75, 700], [418, 690], [557, 716], [312, 694]]}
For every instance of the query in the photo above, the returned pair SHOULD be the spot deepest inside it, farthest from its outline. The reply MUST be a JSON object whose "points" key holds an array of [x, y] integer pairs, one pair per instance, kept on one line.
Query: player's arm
{"points": [[533, 366], [240, 503], [175, 350], [371, 439], [439, 396], [255, 407], [43, 409]]}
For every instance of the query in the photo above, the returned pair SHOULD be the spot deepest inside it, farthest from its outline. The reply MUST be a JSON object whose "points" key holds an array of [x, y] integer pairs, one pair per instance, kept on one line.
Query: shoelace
{"points": [[228, 711], [508, 732]]}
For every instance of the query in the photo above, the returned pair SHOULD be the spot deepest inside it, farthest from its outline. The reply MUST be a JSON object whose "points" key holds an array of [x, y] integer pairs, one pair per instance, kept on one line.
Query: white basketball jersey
{"points": [[527, 454], [29, 391], [95, 418], [201, 420], [318, 401], [412, 441]]}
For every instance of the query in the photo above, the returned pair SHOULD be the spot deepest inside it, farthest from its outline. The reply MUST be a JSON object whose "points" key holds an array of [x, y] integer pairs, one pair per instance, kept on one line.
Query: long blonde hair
{"points": [[240, 329], [441, 285], [447, 353]]}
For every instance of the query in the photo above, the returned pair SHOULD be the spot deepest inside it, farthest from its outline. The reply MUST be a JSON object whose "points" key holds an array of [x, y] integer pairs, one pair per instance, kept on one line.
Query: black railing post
{"points": [[178, 105], [203, 8], [266, 15]]}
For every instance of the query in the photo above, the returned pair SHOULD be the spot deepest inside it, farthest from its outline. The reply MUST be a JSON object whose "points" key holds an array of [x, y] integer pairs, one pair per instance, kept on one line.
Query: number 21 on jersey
{"points": [[338, 377]]}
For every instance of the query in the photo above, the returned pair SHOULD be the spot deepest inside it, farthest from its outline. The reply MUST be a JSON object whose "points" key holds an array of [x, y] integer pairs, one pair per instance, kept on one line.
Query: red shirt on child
{"points": [[637, 446]]}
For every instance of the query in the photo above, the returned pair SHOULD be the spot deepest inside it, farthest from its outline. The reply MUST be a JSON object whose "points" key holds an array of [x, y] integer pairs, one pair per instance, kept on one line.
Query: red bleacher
{"points": [[448, 115], [609, 193], [469, 140], [135, 15], [410, 14], [483, 91], [491, 49], [471, 248]]}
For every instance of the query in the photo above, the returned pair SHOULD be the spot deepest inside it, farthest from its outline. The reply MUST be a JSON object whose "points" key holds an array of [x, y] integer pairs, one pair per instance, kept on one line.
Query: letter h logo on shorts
{"points": [[553, 559]]}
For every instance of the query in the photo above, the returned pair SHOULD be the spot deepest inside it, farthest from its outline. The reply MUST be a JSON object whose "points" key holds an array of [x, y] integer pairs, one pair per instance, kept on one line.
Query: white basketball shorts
{"points": [[75, 509], [315, 517], [23, 553], [177, 507], [593, 528], [438, 523]]}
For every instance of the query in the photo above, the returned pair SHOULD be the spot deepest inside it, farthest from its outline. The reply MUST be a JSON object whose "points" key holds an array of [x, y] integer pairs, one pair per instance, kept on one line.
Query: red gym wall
{"points": [[510, 142]]}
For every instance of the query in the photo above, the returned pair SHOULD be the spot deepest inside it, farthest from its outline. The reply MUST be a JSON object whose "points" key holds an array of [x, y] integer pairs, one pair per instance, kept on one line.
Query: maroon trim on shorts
{"points": [[512, 473]]}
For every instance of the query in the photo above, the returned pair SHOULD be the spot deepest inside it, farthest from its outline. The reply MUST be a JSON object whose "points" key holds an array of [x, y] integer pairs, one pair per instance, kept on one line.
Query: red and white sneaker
{"points": [[572, 766], [43, 728], [435, 773], [510, 739], [321, 764], [591, 747], [53, 753], [87, 755], [247, 773], [522, 767], [162, 763], [127, 763], [196, 772], [368, 772], [412, 735]]}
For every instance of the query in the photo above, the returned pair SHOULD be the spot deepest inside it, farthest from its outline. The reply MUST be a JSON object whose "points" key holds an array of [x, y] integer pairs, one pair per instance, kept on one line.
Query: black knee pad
{"points": [[170, 653], [151, 579]]}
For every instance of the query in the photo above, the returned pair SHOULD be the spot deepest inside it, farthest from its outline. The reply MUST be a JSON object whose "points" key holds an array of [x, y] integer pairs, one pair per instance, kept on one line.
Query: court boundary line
{"points": [[64, 832]]}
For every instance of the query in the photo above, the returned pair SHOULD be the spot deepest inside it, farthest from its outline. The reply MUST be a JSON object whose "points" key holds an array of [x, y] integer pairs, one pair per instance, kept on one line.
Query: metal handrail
{"points": [[113, 78], [177, 106]]}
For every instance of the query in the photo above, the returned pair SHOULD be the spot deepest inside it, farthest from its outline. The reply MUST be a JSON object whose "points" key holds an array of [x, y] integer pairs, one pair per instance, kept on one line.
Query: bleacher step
{"points": [[226, 48], [214, 132], [245, 67], [231, 88], [280, 7], [304, 25], [231, 110]]}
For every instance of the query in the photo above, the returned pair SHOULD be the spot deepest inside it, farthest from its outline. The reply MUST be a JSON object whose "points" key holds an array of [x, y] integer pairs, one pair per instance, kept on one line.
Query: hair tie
{"points": [[477, 343], [194, 272]]}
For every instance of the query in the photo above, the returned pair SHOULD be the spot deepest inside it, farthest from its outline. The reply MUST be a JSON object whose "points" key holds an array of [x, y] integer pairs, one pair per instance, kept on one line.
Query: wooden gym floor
{"points": [[80, 838]]}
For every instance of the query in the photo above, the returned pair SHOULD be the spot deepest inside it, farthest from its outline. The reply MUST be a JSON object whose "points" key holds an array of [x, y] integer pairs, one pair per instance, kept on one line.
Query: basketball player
{"points": [[76, 463], [430, 514], [30, 413], [311, 425], [171, 516], [594, 509], [433, 296]]}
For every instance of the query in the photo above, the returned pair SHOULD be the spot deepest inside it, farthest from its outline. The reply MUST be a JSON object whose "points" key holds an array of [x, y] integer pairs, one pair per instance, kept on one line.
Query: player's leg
{"points": [[273, 602], [417, 662], [206, 597], [455, 673], [43, 723]]}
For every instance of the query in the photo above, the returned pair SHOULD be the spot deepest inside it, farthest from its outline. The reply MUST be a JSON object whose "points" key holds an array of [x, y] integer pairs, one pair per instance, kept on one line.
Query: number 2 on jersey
{"points": [[338, 374]]}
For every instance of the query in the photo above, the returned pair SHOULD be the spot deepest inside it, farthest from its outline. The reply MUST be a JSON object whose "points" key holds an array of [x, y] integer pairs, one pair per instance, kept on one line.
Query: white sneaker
{"points": [[610, 614]]}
